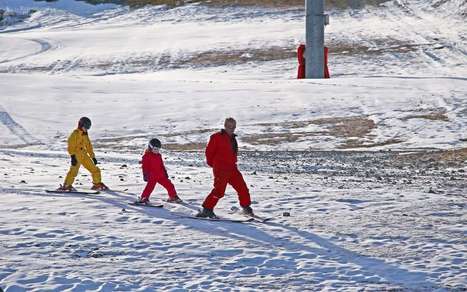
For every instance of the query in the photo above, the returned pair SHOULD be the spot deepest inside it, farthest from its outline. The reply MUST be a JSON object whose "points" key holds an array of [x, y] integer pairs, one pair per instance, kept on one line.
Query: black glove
{"points": [[145, 177], [73, 160], [94, 160]]}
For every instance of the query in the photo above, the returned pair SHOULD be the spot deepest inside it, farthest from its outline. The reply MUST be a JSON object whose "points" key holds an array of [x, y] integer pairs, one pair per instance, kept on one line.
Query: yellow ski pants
{"points": [[86, 161]]}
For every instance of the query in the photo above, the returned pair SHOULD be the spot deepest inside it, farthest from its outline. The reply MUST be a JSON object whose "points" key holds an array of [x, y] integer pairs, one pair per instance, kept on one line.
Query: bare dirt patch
{"points": [[437, 158], [185, 147], [350, 133], [434, 115], [355, 143], [351, 128], [276, 138], [211, 58], [346, 127], [457, 155], [219, 58]]}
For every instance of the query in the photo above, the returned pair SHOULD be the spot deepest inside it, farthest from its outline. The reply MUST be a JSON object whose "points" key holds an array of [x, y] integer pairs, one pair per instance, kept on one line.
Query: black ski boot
{"points": [[247, 211], [207, 213]]}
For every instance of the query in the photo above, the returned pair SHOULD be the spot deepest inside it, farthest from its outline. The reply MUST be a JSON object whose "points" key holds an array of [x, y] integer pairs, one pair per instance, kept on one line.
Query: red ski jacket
{"points": [[153, 166], [221, 152]]}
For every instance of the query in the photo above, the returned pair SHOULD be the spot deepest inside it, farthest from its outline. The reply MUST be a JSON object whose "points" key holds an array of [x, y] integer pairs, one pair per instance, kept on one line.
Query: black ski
{"points": [[146, 205], [257, 218], [72, 192], [220, 219]]}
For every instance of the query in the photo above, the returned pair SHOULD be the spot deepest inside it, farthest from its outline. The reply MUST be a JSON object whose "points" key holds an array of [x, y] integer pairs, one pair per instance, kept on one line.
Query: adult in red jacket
{"points": [[154, 172], [221, 155]]}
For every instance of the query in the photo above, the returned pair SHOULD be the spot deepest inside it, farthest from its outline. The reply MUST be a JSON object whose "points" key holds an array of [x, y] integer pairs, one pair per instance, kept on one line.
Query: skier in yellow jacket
{"points": [[82, 153]]}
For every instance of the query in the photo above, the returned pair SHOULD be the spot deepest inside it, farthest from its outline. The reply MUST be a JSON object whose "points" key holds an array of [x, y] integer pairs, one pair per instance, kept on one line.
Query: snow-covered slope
{"points": [[397, 38], [357, 221], [278, 115], [376, 220]]}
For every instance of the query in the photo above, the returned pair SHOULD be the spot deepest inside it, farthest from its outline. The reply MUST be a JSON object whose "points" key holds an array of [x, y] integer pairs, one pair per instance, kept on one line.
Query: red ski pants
{"points": [[221, 179], [163, 181]]}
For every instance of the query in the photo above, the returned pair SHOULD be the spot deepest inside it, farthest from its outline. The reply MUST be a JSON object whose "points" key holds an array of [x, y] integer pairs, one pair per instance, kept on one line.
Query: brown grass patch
{"points": [[348, 126], [220, 58], [341, 127], [458, 155], [434, 116], [354, 143], [382, 46], [277, 138], [437, 158], [274, 53], [357, 126], [184, 147], [213, 58]]}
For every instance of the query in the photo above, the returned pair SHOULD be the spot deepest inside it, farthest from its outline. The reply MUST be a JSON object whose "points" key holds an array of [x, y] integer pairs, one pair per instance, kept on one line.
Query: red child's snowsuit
{"points": [[221, 155], [154, 172]]}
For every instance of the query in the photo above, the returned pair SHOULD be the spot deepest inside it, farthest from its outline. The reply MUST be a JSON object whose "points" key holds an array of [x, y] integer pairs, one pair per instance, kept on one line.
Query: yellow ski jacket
{"points": [[79, 143]]}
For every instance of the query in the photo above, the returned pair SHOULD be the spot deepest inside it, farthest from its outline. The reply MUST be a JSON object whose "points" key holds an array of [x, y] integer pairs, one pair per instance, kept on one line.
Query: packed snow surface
{"points": [[348, 158]]}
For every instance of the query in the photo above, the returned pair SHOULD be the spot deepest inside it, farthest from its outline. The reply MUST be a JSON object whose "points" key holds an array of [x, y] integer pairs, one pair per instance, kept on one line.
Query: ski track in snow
{"points": [[44, 46], [16, 128]]}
